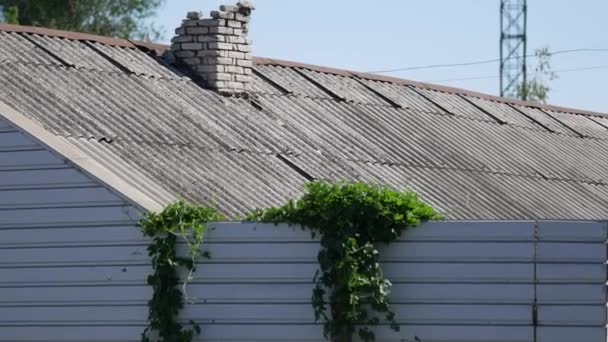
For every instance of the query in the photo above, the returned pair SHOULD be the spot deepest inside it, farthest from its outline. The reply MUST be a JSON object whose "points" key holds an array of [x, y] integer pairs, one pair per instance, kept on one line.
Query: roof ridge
{"points": [[418, 84], [160, 48], [67, 34]]}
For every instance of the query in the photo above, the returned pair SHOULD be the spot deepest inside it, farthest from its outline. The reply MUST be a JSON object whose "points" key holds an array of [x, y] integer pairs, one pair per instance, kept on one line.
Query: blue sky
{"points": [[388, 34]]}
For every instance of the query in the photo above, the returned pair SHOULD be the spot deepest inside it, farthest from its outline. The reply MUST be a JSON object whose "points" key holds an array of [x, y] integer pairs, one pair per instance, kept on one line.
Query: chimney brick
{"points": [[193, 15], [225, 8], [191, 46], [197, 30], [216, 49]]}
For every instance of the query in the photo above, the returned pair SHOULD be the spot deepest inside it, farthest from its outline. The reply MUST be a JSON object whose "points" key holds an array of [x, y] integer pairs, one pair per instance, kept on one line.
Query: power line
{"points": [[488, 77], [487, 61]]}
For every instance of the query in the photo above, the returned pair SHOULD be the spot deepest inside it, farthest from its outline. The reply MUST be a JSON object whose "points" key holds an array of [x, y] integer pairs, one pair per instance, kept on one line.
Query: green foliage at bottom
{"points": [[183, 223], [351, 219]]}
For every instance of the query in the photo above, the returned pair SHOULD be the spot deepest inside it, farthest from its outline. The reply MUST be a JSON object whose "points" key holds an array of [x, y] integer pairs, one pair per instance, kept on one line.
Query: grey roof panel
{"points": [[503, 112], [260, 85], [455, 104], [602, 120], [404, 96], [135, 60], [347, 88], [234, 182], [324, 166], [15, 47], [102, 154], [74, 53], [545, 120], [581, 124], [291, 80]]}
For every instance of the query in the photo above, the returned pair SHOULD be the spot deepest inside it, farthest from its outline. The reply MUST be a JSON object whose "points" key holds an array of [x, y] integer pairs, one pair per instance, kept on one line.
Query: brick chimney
{"points": [[216, 49]]}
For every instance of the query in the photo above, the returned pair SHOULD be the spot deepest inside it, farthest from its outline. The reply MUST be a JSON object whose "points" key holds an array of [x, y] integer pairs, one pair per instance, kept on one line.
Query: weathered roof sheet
{"points": [[472, 156]]}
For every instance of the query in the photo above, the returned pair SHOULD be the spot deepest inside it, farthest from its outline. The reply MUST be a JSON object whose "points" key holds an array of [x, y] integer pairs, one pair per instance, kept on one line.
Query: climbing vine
{"points": [[178, 223], [351, 220]]}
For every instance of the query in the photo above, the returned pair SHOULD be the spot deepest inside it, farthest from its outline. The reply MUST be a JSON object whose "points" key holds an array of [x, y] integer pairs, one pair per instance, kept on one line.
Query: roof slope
{"points": [[472, 156]]}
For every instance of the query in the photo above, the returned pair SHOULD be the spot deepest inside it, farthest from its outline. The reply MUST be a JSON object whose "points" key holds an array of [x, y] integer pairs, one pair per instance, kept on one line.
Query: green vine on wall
{"points": [[178, 223], [351, 220]]}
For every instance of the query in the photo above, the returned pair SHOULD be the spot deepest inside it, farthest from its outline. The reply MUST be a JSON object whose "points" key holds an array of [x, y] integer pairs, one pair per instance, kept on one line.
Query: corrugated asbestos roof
{"points": [[470, 155]]}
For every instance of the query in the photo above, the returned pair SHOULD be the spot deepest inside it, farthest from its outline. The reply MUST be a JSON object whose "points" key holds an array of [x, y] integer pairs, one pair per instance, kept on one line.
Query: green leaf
{"points": [[178, 221]]}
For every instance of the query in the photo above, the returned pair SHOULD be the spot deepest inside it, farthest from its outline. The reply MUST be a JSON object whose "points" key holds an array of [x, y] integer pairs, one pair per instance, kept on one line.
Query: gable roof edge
{"points": [[82, 161]]}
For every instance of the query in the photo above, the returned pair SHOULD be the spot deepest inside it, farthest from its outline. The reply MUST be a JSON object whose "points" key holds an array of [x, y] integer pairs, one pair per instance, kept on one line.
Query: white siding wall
{"points": [[53, 220], [73, 267]]}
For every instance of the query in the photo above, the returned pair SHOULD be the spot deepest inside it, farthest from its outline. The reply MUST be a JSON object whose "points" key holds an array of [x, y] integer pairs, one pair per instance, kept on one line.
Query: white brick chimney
{"points": [[216, 49]]}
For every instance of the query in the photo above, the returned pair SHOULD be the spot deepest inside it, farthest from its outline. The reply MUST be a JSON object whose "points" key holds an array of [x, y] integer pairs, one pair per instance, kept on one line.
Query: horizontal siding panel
{"points": [[455, 333], [95, 215], [491, 334], [212, 333], [38, 179], [432, 231], [571, 294], [572, 252], [572, 273], [62, 333], [312, 333], [15, 141], [309, 333], [564, 315], [242, 252], [572, 232], [29, 159], [418, 293], [458, 252], [464, 284], [72, 236], [75, 296], [410, 313], [472, 231], [74, 315], [74, 276], [265, 314], [570, 334], [459, 272], [462, 293], [5, 126], [135, 271], [257, 232], [66, 255], [429, 231], [62, 197]]}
